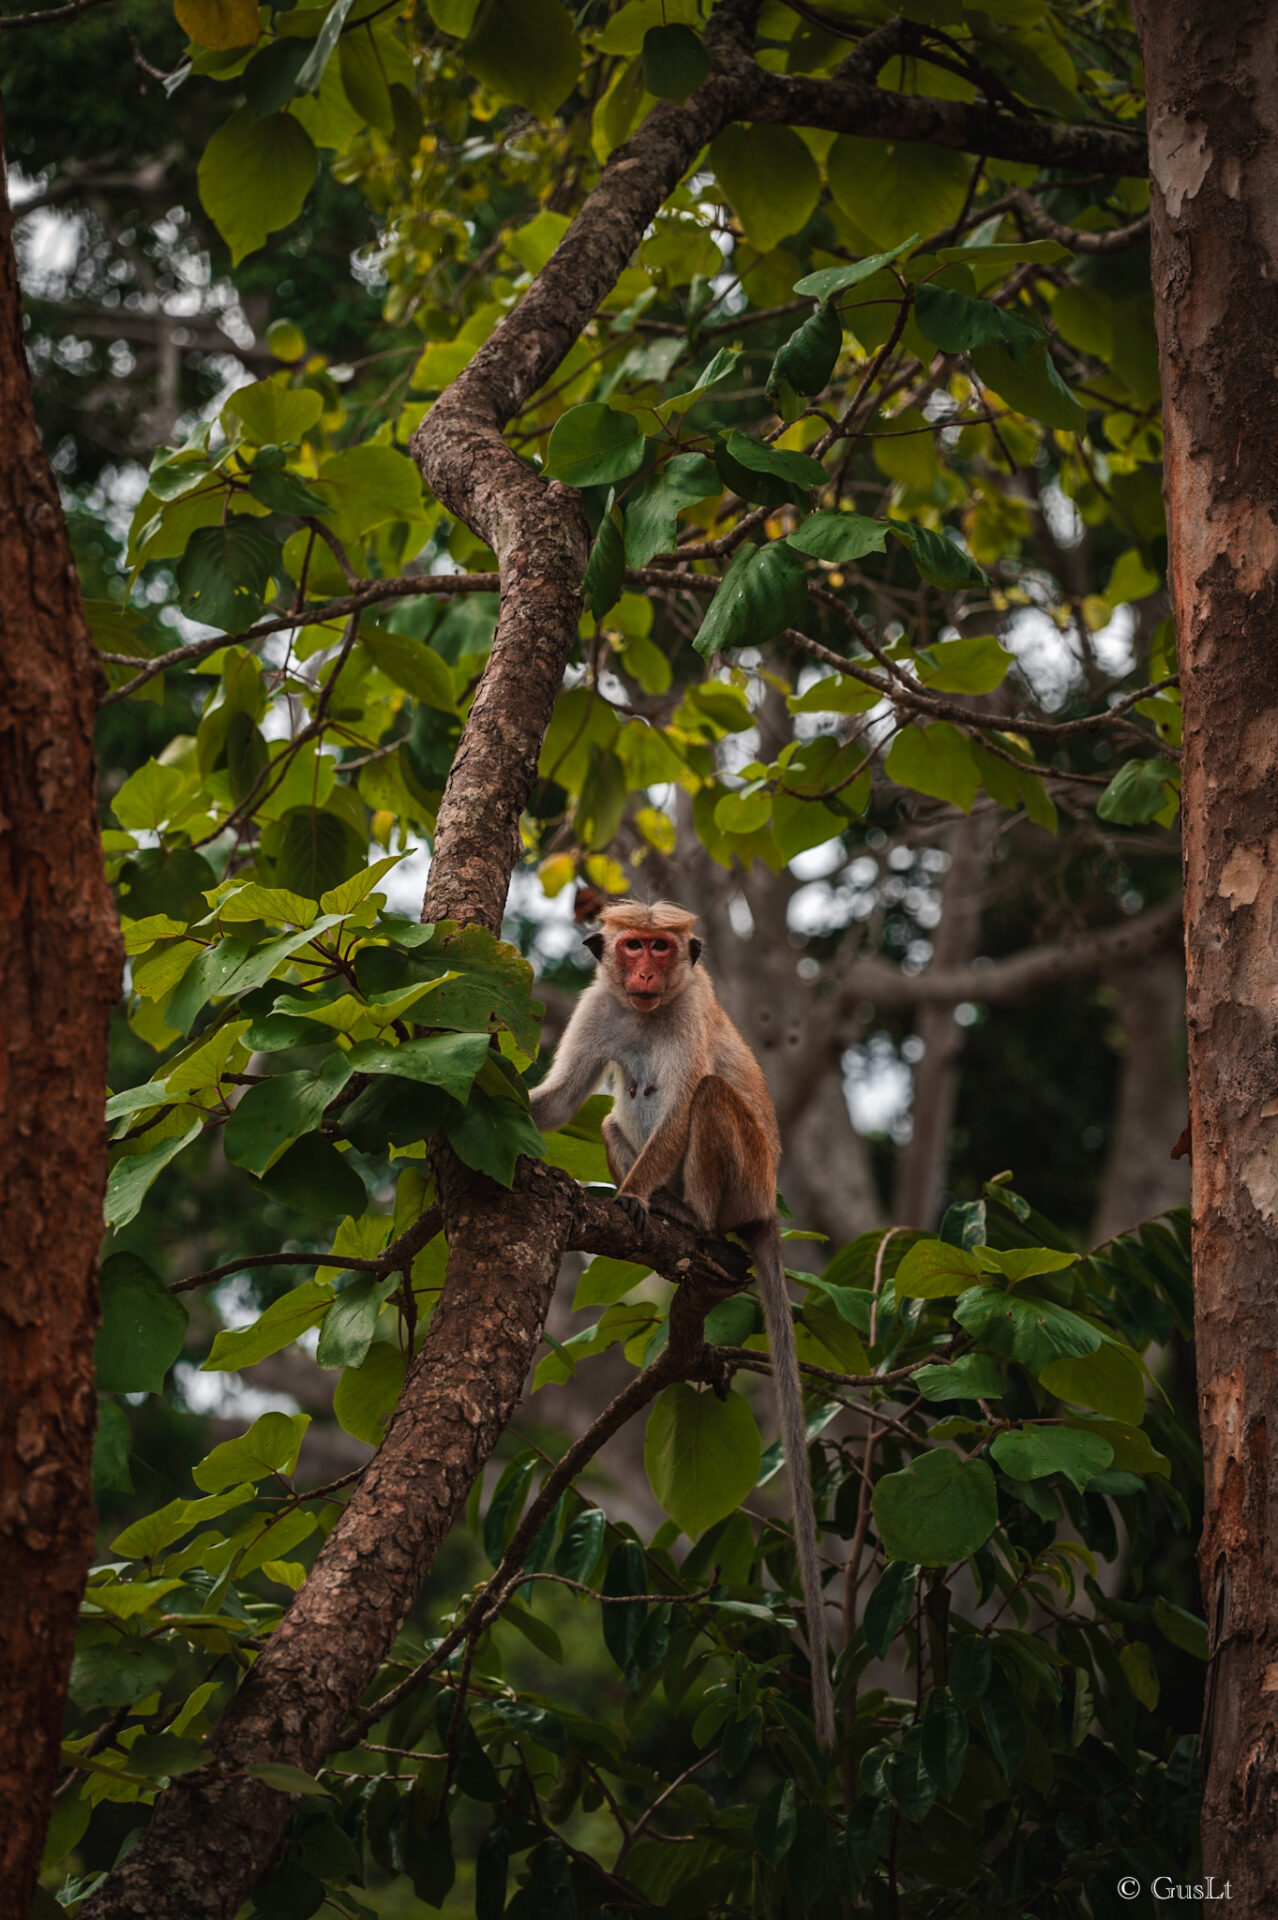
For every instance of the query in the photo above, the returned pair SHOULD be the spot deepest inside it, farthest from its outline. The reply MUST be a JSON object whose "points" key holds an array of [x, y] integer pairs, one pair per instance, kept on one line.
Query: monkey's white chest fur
{"points": [[637, 1094]]}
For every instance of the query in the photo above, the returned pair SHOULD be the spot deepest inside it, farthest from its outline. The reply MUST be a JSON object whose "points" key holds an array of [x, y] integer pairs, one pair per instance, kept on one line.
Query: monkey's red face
{"points": [[646, 963]]}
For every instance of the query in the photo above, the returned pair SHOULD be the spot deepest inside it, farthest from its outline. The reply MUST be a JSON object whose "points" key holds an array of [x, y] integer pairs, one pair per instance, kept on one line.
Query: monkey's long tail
{"points": [[765, 1245]]}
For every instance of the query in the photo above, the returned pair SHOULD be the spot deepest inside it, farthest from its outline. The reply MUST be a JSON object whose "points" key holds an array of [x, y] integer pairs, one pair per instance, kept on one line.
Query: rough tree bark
{"points": [[211, 1838], [59, 982], [1213, 143]]}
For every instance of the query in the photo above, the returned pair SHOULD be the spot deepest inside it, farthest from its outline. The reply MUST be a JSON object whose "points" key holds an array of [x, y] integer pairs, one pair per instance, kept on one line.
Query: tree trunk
{"points": [[922, 1164], [59, 979], [1141, 1178], [1213, 116]]}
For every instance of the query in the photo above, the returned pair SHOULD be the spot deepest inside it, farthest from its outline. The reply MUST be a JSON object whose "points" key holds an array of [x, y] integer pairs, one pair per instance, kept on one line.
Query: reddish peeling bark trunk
{"points": [[59, 979], [1213, 117]]}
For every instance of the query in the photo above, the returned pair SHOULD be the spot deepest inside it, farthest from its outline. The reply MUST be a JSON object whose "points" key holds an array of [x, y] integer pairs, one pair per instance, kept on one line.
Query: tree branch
{"points": [[1001, 982]]}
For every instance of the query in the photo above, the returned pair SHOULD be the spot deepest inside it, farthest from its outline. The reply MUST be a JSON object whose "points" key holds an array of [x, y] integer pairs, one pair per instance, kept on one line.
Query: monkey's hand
{"points": [[635, 1209]]}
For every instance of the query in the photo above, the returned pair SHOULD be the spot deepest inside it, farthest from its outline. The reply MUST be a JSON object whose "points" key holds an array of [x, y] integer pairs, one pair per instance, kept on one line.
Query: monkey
{"points": [[692, 1129]]}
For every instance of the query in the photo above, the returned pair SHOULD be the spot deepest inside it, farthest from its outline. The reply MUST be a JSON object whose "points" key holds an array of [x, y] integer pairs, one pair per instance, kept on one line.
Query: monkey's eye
{"points": [[661, 946], [633, 946]]}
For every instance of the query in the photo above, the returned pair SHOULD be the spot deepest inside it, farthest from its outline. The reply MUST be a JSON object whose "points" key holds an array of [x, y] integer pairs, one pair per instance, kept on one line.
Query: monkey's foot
{"points": [[635, 1209]]}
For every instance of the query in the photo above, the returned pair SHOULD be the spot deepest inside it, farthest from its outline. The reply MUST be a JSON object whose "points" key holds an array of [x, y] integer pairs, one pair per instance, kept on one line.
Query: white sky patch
{"points": [[1113, 644], [226, 1396], [405, 885], [818, 863], [878, 1085]]}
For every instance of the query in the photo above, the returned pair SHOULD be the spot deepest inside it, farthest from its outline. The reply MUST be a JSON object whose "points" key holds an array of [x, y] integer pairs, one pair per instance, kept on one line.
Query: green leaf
{"points": [[284, 1321], [891, 187], [247, 755], [392, 1112], [944, 1742], [971, 1664], [283, 492], [492, 1864], [606, 1281], [492, 1134], [702, 1454], [936, 760], [117, 1676], [351, 1322], [224, 573], [525, 50], [367, 1395], [889, 1606], [149, 798], [776, 1823], [314, 1177], [1033, 1452], [582, 1544], [273, 412], [831, 280], [974, 1376], [974, 664], [133, 1174], [796, 469], [594, 445], [938, 558], [412, 665], [770, 178], [256, 902], [367, 486], [283, 1778], [956, 322], [622, 1624], [1138, 792], [1035, 1332], [606, 568], [219, 24], [270, 1446], [937, 1510], [1109, 1380], [281, 1108], [601, 801], [1024, 1263], [717, 368], [674, 62], [1030, 385], [1004, 1722], [807, 359], [112, 1445], [840, 537], [318, 849], [350, 893], [254, 176], [312, 71], [652, 509], [931, 1270], [448, 1060], [761, 595], [143, 1327]]}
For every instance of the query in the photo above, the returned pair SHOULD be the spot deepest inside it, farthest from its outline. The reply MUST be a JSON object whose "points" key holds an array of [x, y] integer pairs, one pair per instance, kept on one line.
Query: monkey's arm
{"points": [[579, 1063]]}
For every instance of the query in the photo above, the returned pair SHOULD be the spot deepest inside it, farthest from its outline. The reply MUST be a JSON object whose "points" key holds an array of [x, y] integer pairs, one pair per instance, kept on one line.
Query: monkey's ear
{"points": [[694, 950], [595, 941]]}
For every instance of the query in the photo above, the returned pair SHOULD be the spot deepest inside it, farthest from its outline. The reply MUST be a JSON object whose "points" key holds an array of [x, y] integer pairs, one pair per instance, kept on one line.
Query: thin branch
{"points": [[397, 1254], [1108, 240], [52, 14], [408, 587]]}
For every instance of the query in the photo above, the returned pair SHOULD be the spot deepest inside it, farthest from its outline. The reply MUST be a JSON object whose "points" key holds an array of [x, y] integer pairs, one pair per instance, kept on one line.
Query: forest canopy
{"points": [[705, 453]]}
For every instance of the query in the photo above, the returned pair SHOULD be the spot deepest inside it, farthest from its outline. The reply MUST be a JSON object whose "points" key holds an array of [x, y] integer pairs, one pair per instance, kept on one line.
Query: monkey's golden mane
{"points": [[662, 917]]}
